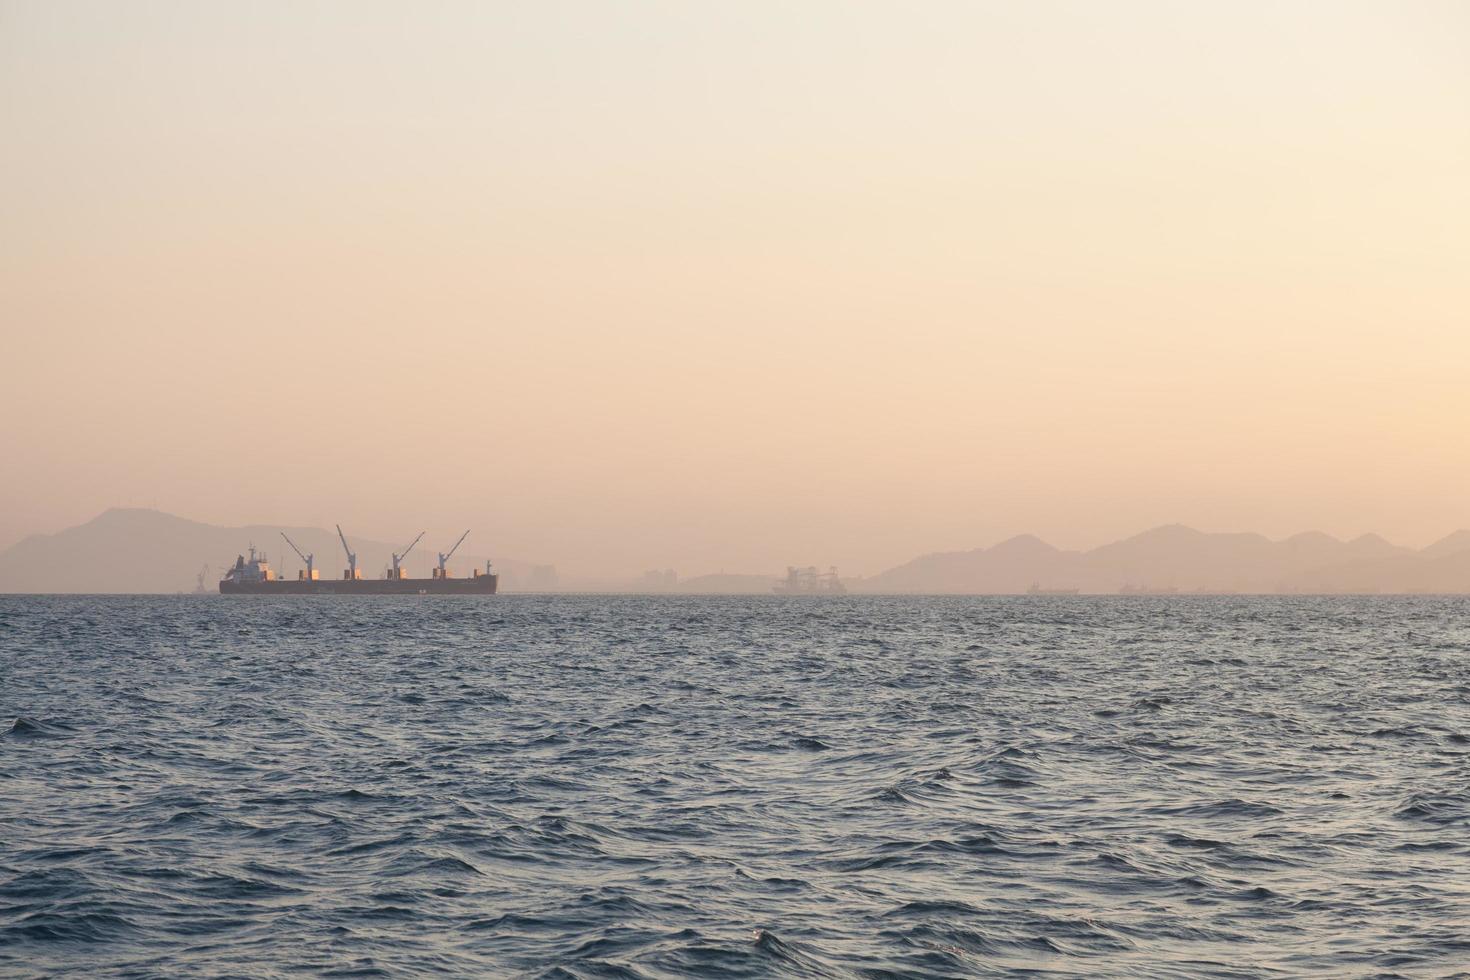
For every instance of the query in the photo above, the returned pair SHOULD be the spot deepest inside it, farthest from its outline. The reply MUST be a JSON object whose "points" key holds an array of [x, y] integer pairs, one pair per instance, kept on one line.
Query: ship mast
{"points": [[351, 556], [444, 558], [305, 558], [398, 572]]}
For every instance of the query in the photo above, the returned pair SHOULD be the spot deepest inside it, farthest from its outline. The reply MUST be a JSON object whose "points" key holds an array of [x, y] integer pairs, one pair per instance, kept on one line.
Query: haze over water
{"points": [[663, 787], [660, 284]]}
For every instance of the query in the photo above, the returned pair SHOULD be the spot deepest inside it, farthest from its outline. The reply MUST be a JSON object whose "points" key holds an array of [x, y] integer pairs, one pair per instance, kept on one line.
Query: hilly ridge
{"points": [[1174, 557], [137, 550]]}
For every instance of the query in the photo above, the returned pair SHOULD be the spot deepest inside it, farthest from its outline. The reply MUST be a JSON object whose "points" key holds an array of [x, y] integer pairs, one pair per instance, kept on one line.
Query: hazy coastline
{"points": [[146, 551]]}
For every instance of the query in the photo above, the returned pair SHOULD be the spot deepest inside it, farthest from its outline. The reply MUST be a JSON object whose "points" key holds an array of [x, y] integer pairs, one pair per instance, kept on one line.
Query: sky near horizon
{"points": [[735, 286]]}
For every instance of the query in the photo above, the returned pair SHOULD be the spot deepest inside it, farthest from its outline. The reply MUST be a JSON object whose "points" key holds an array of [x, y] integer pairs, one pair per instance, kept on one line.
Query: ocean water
{"points": [[666, 787]]}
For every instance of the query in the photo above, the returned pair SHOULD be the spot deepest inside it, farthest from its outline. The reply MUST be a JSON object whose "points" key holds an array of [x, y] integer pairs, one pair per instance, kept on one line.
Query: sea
{"points": [[642, 786]]}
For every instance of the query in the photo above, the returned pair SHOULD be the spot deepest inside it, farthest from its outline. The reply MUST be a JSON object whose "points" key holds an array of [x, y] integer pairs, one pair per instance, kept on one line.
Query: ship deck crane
{"points": [[397, 558], [445, 557], [310, 570], [351, 555]]}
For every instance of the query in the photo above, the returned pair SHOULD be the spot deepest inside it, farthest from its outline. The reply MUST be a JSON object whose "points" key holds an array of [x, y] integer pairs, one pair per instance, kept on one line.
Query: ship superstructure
{"points": [[254, 576], [252, 571]]}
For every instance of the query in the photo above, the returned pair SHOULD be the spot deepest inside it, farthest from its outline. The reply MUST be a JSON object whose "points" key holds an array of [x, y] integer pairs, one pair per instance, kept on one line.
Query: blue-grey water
{"points": [[664, 787]]}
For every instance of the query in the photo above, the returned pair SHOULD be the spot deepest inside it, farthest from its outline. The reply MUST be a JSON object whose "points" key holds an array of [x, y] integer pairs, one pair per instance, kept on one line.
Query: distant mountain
{"points": [[1450, 544], [1179, 558], [135, 550], [131, 550], [1011, 566]]}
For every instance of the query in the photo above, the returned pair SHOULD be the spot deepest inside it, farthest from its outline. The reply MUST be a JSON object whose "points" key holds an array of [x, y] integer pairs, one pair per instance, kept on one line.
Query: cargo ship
{"points": [[254, 576]]}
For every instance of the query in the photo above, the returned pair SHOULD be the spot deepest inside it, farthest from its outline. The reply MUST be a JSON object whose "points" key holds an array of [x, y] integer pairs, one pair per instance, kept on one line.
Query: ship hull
{"points": [[478, 585]]}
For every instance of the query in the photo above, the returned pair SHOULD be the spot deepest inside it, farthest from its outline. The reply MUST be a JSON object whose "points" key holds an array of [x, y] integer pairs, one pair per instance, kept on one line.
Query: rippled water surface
{"points": [[627, 787]]}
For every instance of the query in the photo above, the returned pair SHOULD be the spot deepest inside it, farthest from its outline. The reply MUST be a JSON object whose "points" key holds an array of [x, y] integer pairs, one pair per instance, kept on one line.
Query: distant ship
{"points": [[808, 581], [1036, 589], [254, 576]]}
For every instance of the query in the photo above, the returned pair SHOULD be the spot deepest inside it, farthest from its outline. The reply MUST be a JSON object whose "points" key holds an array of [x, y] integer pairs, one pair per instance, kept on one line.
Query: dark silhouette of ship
{"points": [[254, 576]]}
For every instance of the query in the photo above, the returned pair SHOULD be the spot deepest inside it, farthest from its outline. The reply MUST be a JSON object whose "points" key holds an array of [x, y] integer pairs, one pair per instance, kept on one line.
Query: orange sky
{"points": [[735, 286]]}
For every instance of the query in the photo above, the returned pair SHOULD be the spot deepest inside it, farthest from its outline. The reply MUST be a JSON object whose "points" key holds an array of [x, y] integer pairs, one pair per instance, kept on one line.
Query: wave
{"points": [[613, 787]]}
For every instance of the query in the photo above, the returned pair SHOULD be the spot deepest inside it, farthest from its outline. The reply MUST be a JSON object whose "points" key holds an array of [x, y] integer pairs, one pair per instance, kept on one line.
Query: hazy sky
{"points": [[631, 285]]}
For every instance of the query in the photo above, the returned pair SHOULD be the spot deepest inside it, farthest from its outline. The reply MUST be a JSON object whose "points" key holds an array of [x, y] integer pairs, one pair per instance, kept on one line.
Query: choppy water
{"points": [[626, 787]]}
